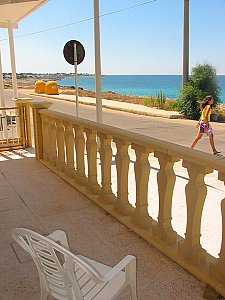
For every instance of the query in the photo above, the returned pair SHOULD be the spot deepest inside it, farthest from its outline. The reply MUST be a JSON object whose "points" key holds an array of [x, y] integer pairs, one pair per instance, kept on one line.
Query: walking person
{"points": [[204, 126]]}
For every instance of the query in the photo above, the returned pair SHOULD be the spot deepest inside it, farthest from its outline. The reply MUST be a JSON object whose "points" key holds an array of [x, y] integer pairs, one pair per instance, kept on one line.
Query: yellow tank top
{"points": [[204, 113]]}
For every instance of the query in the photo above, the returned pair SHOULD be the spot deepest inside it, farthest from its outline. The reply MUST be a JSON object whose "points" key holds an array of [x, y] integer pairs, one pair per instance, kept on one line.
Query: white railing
{"points": [[15, 125], [9, 131]]}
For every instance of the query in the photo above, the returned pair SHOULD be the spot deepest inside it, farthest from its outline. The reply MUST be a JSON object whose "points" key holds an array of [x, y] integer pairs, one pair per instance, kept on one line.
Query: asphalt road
{"points": [[178, 131]]}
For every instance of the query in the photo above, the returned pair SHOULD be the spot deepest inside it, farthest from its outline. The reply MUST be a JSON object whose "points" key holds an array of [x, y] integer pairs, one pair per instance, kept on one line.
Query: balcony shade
{"points": [[16, 10]]}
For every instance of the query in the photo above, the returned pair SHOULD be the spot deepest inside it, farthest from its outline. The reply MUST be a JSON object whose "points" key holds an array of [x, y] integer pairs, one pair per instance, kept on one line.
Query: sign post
{"points": [[75, 74], [74, 54]]}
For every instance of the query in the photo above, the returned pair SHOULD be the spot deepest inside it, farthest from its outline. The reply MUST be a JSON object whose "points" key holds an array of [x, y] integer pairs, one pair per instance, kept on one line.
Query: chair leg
{"points": [[132, 275], [133, 292], [44, 293]]}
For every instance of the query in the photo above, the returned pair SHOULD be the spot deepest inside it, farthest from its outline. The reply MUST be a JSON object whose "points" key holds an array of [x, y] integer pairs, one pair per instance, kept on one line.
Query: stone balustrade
{"points": [[73, 148]]}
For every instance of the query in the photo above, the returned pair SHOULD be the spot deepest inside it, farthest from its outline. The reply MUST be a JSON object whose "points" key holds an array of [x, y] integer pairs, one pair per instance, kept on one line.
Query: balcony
{"points": [[34, 197], [127, 193]]}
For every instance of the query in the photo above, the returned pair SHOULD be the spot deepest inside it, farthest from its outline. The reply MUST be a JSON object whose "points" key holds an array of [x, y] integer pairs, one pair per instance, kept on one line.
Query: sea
{"points": [[139, 85]]}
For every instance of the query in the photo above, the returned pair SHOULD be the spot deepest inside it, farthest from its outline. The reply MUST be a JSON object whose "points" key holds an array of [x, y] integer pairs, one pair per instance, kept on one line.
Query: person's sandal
{"points": [[218, 153]]}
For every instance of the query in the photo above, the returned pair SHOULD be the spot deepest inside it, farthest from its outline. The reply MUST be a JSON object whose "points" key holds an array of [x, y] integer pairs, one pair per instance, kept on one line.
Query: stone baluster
{"points": [[46, 137], [196, 191], [122, 167], [91, 147], [38, 127], [69, 143], [217, 269], [80, 147], [60, 137], [140, 216], [53, 150], [105, 152], [166, 180]]}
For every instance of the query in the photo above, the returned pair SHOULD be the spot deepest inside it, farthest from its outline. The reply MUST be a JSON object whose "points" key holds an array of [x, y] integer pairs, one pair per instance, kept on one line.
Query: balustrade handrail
{"points": [[8, 108], [179, 151]]}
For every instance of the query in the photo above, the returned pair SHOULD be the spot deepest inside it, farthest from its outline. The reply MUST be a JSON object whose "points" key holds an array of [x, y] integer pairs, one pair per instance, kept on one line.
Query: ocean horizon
{"points": [[139, 85]]}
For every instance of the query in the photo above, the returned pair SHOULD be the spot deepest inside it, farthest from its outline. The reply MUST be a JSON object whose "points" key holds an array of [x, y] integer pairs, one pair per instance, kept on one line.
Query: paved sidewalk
{"points": [[32, 196], [118, 105]]}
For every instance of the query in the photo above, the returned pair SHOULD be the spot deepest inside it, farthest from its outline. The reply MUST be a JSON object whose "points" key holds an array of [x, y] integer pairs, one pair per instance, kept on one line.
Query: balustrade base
{"points": [[124, 209], [217, 270], [94, 189], [107, 197], [53, 164], [61, 167], [143, 221], [45, 157], [71, 173], [82, 180], [169, 236], [196, 255]]}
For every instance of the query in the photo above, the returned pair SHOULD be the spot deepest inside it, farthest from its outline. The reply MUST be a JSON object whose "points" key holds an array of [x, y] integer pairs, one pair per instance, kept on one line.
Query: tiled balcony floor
{"points": [[33, 197]]}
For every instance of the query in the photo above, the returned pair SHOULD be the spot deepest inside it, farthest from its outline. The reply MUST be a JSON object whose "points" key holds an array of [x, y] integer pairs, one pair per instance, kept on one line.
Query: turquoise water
{"points": [[141, 85]]}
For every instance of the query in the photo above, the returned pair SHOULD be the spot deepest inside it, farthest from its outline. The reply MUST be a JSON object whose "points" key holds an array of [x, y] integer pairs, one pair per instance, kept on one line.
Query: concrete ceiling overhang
{"points": [[16, 10]]}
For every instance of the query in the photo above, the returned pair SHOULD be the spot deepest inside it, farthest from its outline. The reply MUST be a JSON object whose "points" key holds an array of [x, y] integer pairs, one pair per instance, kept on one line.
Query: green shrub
{"points": [[202, 83], [189, 105], [172, 105], [150, 101], [203, 79], [160, 99]]}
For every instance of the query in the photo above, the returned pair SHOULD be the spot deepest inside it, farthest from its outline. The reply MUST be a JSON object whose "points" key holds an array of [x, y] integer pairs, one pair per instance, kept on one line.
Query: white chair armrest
{"points": [[59, 236], [127, 260]]}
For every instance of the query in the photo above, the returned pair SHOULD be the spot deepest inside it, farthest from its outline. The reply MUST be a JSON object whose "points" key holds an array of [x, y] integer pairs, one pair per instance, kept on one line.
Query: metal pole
{"points": [[75, 74], [12, 56], [98, 82], [3, 123], [185, 43]]}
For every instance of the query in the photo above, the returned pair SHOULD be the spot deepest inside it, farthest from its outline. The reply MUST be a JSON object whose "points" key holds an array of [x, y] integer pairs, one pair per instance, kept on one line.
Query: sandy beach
{"points": [[29, 84]]}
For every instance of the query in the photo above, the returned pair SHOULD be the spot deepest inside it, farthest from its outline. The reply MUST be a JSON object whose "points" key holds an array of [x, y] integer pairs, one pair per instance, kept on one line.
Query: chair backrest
{"points": [[57, 267]]}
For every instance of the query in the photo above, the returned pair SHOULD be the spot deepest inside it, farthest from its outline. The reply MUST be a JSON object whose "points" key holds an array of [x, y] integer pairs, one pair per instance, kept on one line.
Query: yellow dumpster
{"points": [[40, 87], [51, 88]]}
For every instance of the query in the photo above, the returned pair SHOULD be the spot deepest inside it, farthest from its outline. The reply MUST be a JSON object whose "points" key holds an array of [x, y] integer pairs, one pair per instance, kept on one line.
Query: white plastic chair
{"points": [[66, 276]]}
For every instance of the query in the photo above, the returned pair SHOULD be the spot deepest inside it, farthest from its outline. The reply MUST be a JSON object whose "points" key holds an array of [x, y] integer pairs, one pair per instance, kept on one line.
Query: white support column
{"points": [[97, 62], [185, 43], [2, 99], [3, 122], [12, 57]]}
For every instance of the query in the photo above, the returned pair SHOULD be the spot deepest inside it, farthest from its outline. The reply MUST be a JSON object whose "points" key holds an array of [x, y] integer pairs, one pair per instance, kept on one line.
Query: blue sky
{"points": [[142, 40]]}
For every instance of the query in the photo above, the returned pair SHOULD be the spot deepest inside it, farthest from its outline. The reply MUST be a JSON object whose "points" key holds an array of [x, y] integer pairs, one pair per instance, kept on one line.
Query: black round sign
{"points": [[68, 52]]}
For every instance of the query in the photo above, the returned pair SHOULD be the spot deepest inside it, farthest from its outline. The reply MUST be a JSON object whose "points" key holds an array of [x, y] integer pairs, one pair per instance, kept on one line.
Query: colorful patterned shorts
{"points": [[203, 128]]}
